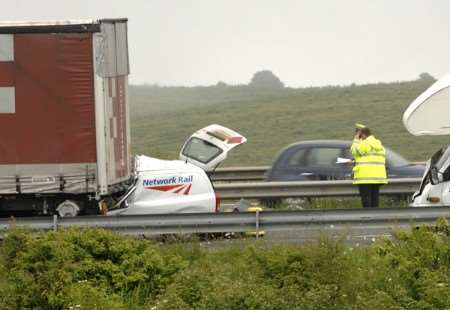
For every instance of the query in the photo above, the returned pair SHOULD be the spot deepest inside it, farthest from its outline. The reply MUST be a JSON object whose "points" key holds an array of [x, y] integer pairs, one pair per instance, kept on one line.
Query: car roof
{"points": [[319, 143], [322, 143], [345, 143]]}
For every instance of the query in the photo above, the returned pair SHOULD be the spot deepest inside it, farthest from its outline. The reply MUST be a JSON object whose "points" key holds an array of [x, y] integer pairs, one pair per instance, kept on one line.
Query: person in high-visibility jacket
{"points": [[369, 172]]}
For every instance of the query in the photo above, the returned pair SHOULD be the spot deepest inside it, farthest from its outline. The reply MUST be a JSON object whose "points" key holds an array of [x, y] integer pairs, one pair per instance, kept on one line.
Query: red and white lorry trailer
{"points": [[64, 114]]}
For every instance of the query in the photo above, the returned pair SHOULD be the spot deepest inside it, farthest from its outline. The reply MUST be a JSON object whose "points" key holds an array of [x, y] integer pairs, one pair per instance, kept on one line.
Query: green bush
{"points": [[96, 269], [409, 272], [48, 271]]}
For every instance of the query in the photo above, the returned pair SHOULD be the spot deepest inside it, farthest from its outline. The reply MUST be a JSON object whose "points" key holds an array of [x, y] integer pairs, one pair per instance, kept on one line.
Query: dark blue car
{"points": [[317, 160]]}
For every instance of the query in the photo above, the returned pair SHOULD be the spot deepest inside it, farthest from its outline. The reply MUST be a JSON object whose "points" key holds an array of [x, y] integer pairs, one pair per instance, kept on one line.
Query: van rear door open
{"points": [[209, 146]]}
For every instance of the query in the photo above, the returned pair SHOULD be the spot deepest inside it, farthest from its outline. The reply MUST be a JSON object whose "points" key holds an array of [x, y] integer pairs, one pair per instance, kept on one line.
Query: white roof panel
{"points": [[47, 23], [429, 113]]}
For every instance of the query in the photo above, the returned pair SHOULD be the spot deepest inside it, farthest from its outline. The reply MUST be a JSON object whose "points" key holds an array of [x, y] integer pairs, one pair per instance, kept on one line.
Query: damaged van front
{"points": [[180, 186], [434, 189]]}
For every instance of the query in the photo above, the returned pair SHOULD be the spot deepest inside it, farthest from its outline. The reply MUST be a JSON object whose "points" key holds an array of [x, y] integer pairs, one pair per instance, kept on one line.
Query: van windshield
{"points": [[440, 161]]}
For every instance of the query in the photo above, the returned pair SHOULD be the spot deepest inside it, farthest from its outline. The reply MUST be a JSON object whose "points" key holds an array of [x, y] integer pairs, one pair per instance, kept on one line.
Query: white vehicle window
{"points": [[201, 150], [439, 162]]}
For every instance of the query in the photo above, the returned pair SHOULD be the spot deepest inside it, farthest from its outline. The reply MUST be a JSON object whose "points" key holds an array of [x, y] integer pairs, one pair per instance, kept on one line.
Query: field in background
{"points": [[163, 117]]}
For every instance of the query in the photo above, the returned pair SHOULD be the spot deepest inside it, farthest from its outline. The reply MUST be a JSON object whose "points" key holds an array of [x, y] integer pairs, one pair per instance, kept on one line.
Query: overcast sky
{"points": [[304, 42]]}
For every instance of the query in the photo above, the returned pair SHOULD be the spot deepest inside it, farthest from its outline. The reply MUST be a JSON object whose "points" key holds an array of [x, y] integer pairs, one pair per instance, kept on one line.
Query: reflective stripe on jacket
{"points": [[370, 162]]}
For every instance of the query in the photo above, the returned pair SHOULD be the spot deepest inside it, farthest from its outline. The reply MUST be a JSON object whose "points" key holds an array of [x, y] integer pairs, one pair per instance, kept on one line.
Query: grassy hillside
{"points": [[163, 117]]}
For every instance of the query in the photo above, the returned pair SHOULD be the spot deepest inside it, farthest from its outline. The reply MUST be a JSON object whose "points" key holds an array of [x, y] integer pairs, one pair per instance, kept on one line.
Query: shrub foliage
{"points": [[96, 269]]}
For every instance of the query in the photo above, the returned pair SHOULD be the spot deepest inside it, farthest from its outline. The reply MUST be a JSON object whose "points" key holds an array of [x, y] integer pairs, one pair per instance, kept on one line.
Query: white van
{"points": [[429, 114], [180, 186]]}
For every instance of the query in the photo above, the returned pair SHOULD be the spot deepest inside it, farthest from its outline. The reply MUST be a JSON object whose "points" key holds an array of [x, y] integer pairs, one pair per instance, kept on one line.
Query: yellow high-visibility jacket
{"points": [[370, 161]]}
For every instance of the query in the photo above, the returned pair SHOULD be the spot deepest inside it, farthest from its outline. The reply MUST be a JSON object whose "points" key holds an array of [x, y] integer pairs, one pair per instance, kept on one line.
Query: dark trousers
{"points": [[369, 195]]}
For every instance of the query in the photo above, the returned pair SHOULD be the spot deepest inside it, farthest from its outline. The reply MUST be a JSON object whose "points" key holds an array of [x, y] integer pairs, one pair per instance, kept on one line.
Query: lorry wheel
{"points": [[67, 208]]}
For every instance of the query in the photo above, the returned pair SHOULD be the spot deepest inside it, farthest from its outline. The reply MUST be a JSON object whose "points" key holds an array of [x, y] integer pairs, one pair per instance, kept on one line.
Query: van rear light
{"points": [[434, 199], [217, 201]]}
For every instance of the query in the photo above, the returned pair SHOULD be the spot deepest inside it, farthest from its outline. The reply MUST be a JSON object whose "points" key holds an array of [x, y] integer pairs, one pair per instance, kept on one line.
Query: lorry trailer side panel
{"points": [[54, 138], [51, 120]]}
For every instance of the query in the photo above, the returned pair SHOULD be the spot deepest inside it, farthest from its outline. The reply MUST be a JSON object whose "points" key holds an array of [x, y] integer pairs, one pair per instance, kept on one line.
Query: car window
{"points": [[347, 153], [395, 160], [297, 158], [323, 156]]}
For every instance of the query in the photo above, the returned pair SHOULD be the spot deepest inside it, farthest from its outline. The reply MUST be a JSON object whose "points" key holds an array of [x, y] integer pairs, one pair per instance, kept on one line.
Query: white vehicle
{"points": [[428, 114], [180, 186]]}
